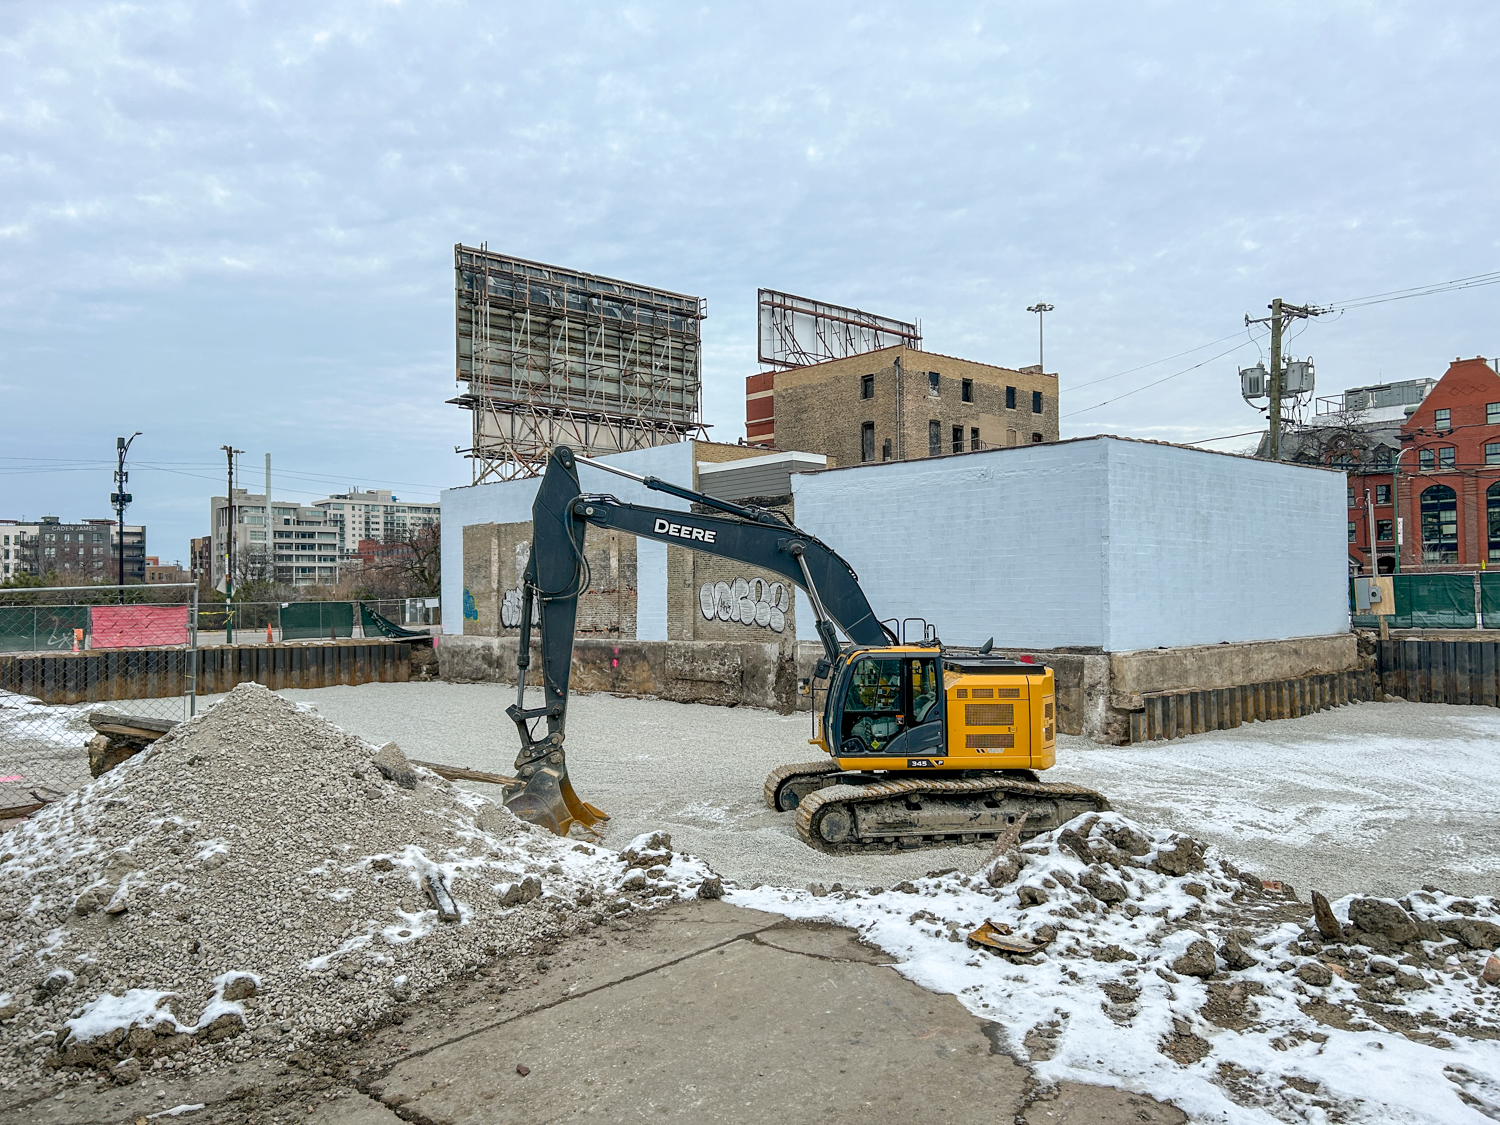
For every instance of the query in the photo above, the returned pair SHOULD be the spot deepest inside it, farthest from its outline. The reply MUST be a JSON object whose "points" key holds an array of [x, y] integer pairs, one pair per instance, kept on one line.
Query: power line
{"points": [[1475, 281], [1154, 362], [1163, 379]]}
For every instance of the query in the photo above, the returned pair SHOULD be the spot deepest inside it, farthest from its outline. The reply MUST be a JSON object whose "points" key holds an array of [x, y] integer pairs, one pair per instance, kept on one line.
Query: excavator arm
{"points": [[558, 573]]}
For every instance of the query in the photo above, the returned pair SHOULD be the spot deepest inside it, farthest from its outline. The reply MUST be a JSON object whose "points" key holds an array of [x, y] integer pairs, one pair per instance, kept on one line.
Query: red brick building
{"points": [[1439, 491]]}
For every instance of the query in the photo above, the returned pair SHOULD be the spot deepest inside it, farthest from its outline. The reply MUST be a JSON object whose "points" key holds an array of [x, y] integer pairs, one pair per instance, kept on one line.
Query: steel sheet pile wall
{"points": [[552, 356], [1100, 543]]}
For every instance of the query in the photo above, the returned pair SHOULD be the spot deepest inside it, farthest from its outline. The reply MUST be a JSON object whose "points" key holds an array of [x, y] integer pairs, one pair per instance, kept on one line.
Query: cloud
{"points": [[233, 223]]}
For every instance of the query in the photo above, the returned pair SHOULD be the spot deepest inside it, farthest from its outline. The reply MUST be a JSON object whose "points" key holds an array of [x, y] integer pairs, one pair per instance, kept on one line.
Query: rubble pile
{"points": [[1166, 968], [258, 879]]}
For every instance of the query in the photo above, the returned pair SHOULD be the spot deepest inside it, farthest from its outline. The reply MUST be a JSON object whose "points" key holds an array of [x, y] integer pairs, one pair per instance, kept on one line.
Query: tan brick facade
{"points": [[820, 409]]}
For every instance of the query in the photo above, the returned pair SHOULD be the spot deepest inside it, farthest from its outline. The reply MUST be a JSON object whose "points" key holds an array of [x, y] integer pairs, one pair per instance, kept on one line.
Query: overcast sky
{"points": [[234, 223]]}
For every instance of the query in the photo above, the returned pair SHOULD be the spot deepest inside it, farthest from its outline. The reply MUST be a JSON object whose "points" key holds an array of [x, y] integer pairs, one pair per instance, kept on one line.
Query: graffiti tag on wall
{"points": [[510, 603], [750, 602]]}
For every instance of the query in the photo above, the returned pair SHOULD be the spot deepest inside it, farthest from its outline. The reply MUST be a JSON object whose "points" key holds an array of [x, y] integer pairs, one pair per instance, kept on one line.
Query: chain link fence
{"points": [[80, 663], [1426, 600]]}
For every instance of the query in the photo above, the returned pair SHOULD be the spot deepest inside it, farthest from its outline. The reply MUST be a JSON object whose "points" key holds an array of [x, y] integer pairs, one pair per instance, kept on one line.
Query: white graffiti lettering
{"points": [[749, 602]]}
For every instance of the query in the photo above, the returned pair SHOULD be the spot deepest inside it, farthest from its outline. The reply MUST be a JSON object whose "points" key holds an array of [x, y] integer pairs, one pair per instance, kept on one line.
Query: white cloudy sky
{"points": [[234, 222]]}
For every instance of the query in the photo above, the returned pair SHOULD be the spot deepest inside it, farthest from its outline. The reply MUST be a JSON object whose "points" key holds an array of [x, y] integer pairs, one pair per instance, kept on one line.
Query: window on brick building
{"points": [[1345, 461], [1447, 457], [1353, 527], [867, 442], [1439, 525], [1426, 459], [1492, 453], [1492, 511], [1036, 439], [1036, 402], [1492, 413], [867, 386], [1384, 530], [1010, 398], [1382, 455], [934, 438], [1382, 494], [933, 379], [974, 438], [967, 390], [1350, 490], [885, 450], [1442, 419]]}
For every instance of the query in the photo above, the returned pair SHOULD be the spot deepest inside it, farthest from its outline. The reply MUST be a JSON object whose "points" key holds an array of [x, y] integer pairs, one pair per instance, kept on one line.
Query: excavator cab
{"points": [[888, 703]]}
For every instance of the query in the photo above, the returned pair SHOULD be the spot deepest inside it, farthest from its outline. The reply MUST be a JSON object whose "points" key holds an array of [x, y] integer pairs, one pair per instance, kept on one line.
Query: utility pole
{"points": [[229, 452], [120, 498], [1041, 311], [1281, 314]]}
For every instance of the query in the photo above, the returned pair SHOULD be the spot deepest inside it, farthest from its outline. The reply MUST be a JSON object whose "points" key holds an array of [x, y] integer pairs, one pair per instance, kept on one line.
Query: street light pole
{"points": [[120, 498], [1041, 311], [229, 452]]}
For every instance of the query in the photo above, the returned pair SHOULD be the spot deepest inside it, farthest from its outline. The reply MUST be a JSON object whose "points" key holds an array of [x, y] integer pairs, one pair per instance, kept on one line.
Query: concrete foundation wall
{"points": [[722, 672], [1100, 543]]}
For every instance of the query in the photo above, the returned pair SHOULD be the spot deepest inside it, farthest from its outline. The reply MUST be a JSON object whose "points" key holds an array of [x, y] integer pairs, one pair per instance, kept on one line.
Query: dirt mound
{"points": [[259, 878]]}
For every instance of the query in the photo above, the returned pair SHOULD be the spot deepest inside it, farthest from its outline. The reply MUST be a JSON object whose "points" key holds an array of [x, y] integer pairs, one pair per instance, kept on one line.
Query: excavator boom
{"points": [[558, 573]]}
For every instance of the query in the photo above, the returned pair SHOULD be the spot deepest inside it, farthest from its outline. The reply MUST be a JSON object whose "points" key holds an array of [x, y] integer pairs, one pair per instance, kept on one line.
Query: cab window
{"points": [[886, 696]]}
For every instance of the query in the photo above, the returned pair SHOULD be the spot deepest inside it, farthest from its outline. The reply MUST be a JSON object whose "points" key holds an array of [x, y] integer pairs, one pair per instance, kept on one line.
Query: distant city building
{"points": [[86, 551], [156, 572], [375, 515], [897, 404], [201, 554], [299, 546]]}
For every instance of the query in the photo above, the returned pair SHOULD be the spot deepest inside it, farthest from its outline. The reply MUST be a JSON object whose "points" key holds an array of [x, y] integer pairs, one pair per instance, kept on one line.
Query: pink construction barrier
{"points": [[138, 626]]}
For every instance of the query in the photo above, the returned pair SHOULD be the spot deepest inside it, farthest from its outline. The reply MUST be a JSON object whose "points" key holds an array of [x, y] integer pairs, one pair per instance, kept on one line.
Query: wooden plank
{"points": [[459, 773]]}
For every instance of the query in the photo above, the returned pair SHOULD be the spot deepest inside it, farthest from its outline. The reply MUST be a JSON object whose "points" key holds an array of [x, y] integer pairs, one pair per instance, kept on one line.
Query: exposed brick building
{"points": [[897, 404], [1442, 483]]}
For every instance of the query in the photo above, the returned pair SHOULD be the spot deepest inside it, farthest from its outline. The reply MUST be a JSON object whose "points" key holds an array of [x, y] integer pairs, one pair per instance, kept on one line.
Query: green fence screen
{"points": [[305, 621], [41, 628], [1435, 601]]}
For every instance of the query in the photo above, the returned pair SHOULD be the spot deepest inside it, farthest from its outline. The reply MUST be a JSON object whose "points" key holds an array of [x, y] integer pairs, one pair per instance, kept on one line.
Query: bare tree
{"points": [[407, 565]]}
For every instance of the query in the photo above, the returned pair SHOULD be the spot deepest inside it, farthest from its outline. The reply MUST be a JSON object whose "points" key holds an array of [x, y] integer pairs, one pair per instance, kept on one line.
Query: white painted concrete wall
{"points": [[510, 502], [1099, 542]]}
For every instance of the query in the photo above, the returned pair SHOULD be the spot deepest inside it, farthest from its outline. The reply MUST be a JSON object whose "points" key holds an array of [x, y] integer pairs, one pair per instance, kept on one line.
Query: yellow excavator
{"points": [[925, 746]]}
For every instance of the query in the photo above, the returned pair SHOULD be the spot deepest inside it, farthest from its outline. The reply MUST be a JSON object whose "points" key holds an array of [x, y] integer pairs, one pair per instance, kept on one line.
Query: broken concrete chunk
{"points": [[1473, 932], [1377, 916], [1105, 890], [240, 988], [1003, 871], [120, 901], [649, 851], [523, 892], [1183, 858], [1314, 973], [1236, 956], [393, 766], [1197, 961], [1329, 928], [126, 1071], [710, 888], [1491, 972], [1031, 896]]}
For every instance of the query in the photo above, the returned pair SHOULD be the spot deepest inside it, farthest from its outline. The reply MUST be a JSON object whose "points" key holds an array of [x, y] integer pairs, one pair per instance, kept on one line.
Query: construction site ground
{"points": [[1370, 798], [1177, 986], [698, 1012]]}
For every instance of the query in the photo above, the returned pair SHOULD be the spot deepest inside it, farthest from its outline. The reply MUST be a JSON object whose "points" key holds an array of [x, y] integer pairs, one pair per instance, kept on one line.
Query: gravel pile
{"points": [[1166, 968], [260, 878]]}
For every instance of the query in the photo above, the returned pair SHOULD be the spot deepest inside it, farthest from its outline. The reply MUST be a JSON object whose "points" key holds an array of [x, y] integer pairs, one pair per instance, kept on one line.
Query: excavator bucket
{"points": [[547, 798]]}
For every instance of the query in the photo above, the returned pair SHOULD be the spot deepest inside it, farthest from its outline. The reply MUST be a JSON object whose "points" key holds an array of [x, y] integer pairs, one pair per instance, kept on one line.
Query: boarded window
{"points": [[934, 438], [1036, 402], [1010, 398], [867, 442], [968, 390], [867, 386]]}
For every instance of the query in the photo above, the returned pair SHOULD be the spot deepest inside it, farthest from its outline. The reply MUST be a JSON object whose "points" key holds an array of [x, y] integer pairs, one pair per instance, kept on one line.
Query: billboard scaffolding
{"points": [[551, 356], [797, 331]]}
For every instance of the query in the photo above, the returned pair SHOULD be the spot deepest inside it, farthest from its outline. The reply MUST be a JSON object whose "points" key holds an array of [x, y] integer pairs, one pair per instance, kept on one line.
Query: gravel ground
{"points": [[1377, 797]]}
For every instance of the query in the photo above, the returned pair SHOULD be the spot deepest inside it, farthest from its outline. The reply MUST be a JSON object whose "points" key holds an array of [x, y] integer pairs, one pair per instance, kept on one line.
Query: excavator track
{"points": [[911, 813], [786, 786]]}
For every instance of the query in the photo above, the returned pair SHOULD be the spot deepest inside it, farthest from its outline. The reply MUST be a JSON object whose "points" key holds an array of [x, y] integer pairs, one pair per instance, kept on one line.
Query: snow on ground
{"points": [[1274, 1026], [1375, 797]]}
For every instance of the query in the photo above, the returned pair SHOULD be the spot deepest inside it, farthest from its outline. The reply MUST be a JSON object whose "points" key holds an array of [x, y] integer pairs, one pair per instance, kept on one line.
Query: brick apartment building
{"points": [[1441, 481], [897, 404]]}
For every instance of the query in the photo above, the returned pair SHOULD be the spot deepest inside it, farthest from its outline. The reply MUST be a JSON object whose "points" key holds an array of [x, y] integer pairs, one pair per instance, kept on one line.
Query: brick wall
{"points": [[819, 409], [495, 556]]}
